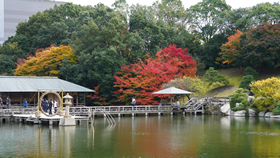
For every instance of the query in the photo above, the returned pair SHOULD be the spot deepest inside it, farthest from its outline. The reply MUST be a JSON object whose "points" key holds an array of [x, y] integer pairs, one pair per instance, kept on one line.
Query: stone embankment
{"points": [[227, 111]]}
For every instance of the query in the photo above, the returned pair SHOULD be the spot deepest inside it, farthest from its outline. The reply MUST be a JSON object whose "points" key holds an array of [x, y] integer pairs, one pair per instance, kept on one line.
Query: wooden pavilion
{"points": [[19, 88]]}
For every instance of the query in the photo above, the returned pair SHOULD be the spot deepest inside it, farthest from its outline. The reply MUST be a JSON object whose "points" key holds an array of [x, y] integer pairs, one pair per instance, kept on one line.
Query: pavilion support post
{"points": [[161, 100], [77, 99], [84, 99], [20, 98]]}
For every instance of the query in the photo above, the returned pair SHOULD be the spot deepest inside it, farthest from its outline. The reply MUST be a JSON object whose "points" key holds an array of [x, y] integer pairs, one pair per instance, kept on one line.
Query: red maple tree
{"points": [[139, 80]]}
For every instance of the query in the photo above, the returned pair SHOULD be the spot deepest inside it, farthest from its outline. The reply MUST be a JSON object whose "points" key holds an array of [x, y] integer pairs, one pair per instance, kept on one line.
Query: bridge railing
{"points": [[87, 110], [121, 108]]}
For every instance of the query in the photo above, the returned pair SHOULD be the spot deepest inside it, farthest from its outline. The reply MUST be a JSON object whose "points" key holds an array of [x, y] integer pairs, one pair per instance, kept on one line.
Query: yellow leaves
{"points": [[46, 63], [269, 90], [227, 61]]}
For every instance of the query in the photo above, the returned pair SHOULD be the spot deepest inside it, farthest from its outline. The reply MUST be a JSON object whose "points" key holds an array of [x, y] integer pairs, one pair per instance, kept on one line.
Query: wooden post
{"points": [[20, 98], [161, 100], [77, 99], [203, 109], [84, 99]]}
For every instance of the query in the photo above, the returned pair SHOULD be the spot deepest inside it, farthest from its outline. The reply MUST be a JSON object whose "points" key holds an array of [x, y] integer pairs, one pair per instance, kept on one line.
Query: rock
{"points": [[240, 113], [250, 98], [268, 114], [226, 109], [252, 113], [261, 114]]}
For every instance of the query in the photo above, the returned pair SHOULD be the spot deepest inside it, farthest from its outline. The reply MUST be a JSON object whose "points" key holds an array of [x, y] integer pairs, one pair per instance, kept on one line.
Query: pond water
{"points": [[152, 136]]}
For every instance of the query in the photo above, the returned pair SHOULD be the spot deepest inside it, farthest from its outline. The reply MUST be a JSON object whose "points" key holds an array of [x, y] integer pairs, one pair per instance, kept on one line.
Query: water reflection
{"points": [[147, 136]]}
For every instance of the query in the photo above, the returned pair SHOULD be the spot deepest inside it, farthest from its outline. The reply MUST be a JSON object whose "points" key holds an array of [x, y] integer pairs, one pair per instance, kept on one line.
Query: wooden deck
{"points": [[27, 115], [87, 113]]}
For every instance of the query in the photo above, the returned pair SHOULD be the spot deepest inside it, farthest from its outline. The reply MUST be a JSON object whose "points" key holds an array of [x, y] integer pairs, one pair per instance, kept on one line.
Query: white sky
{"points": [[187, 3]]}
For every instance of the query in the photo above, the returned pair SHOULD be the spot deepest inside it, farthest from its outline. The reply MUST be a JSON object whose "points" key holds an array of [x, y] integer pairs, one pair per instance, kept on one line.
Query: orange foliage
{"points": [[141, 79], [46, 62], [231, 48]]}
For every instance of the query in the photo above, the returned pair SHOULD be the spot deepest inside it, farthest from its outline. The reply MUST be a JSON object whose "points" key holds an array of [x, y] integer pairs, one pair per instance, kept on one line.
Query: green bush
{"points": [[245, 103], [276, 111], [250, 71], [237, 97], [247, 112], [238, 108]]}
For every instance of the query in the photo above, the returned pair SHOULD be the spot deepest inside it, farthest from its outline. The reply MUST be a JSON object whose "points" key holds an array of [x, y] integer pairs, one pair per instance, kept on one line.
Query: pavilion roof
{"points": [[32, 84], [172, 90]]}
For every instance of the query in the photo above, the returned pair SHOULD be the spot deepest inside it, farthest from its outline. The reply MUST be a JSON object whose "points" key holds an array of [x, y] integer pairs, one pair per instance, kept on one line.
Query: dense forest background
{"points": [[100, 47]]}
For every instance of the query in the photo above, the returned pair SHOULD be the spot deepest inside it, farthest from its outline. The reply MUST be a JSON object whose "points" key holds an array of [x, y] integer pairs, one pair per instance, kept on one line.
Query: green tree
{"points": [[209, 52], [7, 65], [237, 97], [173, 13], [192, 84], [245, 83], [52, 26], [264, 12], [212, 76], [250, 71], [260, 47], [9, 54], [103, 45], [208, 17], [56, 34]]}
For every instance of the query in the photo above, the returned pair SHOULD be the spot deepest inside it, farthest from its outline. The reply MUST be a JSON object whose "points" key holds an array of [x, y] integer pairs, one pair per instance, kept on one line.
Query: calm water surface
{"points": [[153, 136]]}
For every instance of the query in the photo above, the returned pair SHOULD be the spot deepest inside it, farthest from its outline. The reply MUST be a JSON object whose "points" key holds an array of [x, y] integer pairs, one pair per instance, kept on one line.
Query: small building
{"points": [[19, 88]]}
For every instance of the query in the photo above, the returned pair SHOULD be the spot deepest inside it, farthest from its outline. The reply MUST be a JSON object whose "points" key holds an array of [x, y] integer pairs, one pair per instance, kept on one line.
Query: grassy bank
{"points": [[235, 75]]}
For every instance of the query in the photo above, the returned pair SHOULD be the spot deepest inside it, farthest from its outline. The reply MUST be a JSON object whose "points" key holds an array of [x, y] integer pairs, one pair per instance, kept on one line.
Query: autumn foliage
{"points": [[144, 77], [231, 48], [46, 62], [267, 93], [260, 46]]}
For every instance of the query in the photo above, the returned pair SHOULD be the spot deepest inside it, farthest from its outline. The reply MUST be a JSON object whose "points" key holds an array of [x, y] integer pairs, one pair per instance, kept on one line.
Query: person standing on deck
{"points": [[133, 103], [55, 106], [46, 105], [50, 107], [43, 105], [1, 103], [8, 102], [24, 103]]}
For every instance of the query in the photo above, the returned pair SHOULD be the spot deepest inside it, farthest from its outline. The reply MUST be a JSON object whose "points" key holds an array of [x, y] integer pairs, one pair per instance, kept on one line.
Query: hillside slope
{"points": [[235, 75]]}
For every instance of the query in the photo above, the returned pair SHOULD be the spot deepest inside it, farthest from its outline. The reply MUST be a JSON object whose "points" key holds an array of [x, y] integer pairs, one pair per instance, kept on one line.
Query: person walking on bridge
{"points": [[133, 103]]}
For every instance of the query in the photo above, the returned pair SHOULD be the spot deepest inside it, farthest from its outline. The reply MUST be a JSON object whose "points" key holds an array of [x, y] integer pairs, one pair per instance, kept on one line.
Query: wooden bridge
{"points": [[194, 105]]}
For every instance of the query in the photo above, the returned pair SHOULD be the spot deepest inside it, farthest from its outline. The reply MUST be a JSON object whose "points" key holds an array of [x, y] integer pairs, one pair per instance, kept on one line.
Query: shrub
{"points": [[237, 97], [245, 103], [266, 92], [250, 71], [276, 111], [238, 108]]}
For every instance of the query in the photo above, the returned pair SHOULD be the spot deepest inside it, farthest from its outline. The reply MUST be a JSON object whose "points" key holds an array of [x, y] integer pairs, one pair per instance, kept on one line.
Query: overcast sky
{"points": [[187, 3]]}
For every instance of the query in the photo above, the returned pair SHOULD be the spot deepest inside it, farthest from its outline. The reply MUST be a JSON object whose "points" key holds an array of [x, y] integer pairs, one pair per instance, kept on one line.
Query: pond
{"points": [[152, 136]]}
